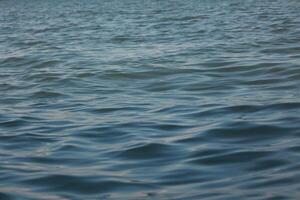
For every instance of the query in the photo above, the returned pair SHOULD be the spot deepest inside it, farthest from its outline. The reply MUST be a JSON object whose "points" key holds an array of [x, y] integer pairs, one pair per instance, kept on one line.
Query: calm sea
{"points": [[149, 99]]}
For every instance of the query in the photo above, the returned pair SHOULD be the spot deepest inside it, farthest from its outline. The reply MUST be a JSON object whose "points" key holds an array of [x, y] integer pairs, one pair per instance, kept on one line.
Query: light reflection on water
{"points": [[149, 99]]}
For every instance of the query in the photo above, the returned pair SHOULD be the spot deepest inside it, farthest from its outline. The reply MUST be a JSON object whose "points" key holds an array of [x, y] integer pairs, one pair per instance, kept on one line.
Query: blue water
{"points": [[140, 99]]}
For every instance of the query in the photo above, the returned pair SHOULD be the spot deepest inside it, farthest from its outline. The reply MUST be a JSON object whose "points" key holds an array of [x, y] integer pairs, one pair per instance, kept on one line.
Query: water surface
{"points": [[138, 99]]}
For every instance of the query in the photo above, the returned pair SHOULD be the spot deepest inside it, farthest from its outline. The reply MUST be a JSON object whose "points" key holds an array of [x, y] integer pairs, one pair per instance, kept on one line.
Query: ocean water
{"points": [[149, 99]]}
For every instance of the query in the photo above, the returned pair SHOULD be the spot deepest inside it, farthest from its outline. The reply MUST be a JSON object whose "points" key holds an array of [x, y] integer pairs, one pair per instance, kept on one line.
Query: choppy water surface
{"points": [[131, 99]]}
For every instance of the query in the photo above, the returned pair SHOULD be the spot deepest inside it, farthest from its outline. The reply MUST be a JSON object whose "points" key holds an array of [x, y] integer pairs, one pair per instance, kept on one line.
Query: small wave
{"points": [[81, 184], [46, 94], [147, 151], [185, 18], [231, 158], [149, 99]]}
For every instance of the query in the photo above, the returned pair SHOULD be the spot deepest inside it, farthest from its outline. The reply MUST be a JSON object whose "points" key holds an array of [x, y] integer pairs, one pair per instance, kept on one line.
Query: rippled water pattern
{"points": [[140, 99]]}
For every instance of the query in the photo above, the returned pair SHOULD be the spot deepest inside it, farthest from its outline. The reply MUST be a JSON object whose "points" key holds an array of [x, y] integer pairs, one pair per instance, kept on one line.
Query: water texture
{"points": [[140, 99]]}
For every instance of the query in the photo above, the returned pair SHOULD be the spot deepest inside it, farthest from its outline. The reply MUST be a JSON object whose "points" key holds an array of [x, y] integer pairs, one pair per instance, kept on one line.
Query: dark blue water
{"points": [[140, 99]]}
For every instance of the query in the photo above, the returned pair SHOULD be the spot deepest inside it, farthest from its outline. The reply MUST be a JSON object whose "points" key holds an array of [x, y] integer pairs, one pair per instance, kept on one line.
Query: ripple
{"points": [[13, 123], [269, 164], [247, 132], [149, 99], [83, 185], [231, 158], [46, 94], [147, 151]]}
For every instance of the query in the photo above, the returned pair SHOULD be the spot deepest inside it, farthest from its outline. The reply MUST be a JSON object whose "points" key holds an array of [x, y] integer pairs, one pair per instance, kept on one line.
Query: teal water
{"points": [[140, 99]]}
